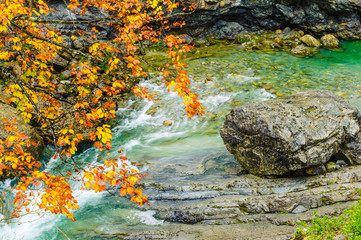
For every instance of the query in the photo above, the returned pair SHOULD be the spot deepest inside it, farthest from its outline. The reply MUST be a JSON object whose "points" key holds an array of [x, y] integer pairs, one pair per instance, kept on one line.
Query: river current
{"points": [[226, 78]]}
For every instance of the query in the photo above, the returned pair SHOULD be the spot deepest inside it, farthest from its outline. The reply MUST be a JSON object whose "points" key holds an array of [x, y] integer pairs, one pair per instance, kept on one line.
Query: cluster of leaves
{"points": [[348, 225], [28, 37]]}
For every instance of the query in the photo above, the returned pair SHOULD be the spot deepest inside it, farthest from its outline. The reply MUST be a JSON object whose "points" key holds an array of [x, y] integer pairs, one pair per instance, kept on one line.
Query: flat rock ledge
{"points": [[215, 201], [290, 135]]}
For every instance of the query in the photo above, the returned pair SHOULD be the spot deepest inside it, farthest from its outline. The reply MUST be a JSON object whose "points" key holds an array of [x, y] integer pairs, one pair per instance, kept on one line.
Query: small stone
{"points": [[316, 170], [17, 70], [341, 163], [339, 237], [310, 41], [278, 40], [152, 111], [291, 35], [269, 45], [299, 209], [331, 167], [187, 39], [208, 79], [167, 123], [278, 31], [59, 63], [267, 87], [287, 30], [65, 74], [65, 82], [302, 33], [301, 51], [155, 94]]}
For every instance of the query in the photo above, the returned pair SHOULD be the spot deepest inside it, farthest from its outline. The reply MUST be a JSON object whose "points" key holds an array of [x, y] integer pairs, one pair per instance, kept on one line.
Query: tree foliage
{"points": [[30, 41]]}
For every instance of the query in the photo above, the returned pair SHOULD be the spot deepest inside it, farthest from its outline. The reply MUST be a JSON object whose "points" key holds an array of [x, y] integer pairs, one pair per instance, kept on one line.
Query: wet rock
{"points": [[339, 237], [270, 45], [167, 123], [59, 63], [286, 31], [82, 44], [226, 30], [152, 111], [330, 41], [187, 39], [278, 40], [310, 41], [65, 74], [279, 136], [300, 51], [291, 35], [316, 170], [341, 163], [318, 17], [300, 209], [267, 86], [331, 166], [208, 79]]}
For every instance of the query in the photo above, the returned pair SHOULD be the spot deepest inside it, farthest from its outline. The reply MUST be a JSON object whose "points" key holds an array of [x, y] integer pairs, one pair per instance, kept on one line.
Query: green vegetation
{"points": [[348, 225]]}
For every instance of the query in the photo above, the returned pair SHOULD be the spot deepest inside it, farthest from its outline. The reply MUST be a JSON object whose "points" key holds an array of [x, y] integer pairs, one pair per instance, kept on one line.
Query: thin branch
{"points": [[37, 88], [48, 120], [39, 20], [70, 50]]}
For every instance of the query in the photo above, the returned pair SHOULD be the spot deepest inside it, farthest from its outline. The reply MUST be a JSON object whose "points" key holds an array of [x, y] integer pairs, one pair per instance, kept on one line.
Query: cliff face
{"points": [[318, 17]]}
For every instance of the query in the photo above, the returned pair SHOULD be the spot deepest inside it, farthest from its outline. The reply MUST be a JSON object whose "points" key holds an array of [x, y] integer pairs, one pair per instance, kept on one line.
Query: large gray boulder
{"points": [[294, 133]]}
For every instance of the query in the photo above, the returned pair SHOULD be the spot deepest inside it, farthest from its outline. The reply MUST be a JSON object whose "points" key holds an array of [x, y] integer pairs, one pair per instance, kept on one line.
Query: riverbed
{"points": [[190, 152]]}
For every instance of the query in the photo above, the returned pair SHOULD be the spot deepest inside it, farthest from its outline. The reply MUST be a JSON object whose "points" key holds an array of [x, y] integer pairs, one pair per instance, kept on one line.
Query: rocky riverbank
{"points": [[210, 198], [341, 17]]}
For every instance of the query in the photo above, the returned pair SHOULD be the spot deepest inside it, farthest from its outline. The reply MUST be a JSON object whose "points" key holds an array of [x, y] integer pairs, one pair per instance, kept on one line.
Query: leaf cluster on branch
{"points": [[100, 74]]}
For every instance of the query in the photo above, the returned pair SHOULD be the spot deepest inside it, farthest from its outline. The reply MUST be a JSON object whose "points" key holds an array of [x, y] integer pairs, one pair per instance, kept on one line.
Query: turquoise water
{"points": [[229, 77]]}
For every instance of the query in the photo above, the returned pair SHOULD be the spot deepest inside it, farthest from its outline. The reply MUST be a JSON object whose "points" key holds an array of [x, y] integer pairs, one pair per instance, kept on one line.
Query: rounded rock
{"points": [[301, 51], [331, 167], [310, 41], [167, 123], [330, 41]]}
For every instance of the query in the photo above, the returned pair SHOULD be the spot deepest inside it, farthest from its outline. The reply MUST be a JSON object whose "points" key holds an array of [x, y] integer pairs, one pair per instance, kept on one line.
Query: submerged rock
{"points": [[167, 123], [284, 135], [301, 51]]}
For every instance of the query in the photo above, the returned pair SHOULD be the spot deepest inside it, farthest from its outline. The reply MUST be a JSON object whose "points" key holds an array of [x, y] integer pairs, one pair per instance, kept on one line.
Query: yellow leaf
{"points": [[36, 13]]}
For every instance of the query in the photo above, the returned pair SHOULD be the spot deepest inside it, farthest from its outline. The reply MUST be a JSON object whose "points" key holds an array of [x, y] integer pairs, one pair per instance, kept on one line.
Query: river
{"points": [[226, 78]]}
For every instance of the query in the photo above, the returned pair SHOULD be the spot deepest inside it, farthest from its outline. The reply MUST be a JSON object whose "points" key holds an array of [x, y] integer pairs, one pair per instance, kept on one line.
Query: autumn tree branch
{"points": [[66, 22], [69, 49]]}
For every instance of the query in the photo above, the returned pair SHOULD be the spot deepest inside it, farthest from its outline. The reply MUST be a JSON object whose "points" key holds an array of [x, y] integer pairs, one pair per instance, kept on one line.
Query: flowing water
{"points": [[227, 77]]}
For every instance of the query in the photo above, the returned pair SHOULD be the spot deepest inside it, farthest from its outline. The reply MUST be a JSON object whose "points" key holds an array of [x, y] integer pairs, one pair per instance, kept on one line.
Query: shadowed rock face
{"points": [[341, 17], [284, 135], [315, 16]]}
